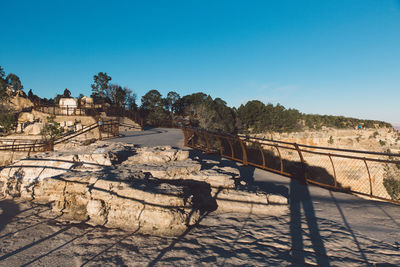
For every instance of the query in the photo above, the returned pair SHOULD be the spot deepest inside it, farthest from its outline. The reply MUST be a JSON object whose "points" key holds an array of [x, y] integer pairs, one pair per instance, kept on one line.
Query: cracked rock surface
{"points": [[157, 190]]}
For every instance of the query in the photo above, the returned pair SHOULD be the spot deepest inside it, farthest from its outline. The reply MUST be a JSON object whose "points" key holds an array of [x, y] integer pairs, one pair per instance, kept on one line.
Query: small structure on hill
{"points": [[86, 102], [68, 105]]}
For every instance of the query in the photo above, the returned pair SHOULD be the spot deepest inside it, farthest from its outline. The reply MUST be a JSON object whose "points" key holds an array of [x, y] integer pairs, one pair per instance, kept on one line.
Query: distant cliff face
{"points": [[369, 178], [380, 139]]}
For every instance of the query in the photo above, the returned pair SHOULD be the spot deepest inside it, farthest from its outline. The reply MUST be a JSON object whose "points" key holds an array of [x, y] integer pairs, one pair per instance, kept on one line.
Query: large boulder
{"points": [[26, 117], [89, 185], [33, 129], [159, 154], [152, 190], [173, 164], [19, 103], [128, 201]]}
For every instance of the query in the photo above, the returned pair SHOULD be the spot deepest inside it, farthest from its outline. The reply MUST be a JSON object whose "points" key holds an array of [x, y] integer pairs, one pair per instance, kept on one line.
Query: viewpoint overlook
{"points": [[200, 133], [100, 179]]}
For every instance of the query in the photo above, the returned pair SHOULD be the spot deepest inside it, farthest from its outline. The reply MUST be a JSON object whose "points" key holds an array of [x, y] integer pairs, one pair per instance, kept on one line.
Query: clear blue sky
{"points": [[325, 57]]}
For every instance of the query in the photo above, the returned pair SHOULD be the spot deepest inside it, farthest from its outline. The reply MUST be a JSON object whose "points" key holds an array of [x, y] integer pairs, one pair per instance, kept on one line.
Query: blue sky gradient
{"points": [[325, 57]]}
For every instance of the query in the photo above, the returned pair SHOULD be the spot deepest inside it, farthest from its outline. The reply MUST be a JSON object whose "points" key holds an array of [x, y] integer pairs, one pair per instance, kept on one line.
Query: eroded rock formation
{"points": [[152, 190]]}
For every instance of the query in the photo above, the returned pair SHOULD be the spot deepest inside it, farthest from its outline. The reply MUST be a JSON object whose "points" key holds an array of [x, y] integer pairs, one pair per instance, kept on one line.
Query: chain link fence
{"points": [[368, 173]]}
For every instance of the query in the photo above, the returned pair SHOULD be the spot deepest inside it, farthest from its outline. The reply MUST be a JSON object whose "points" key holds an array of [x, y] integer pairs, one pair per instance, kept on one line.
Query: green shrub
{"points": [[330, 141], [8, 121], [382, 143], [51, 130], [392, 186]]}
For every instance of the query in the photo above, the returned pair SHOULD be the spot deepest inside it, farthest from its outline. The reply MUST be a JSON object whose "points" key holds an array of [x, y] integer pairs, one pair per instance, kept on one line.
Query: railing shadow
{"points": [[9, 210], [179, 238], [362, 254], [299, 197], [34, 243], [300, 201]]}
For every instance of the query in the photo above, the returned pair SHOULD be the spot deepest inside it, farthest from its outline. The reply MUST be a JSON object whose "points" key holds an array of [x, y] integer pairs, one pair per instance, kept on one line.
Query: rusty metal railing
{"points": [[110, 128], [93, 111], [368, 173]]}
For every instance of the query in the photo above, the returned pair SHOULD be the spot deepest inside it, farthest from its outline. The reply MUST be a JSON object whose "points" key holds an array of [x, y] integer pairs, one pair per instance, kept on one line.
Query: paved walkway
{"points": [[322, 228], [308, 204]]}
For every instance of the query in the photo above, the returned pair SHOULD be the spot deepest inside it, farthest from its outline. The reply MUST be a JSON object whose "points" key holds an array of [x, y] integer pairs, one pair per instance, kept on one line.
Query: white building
{"points": [[68, 106]]}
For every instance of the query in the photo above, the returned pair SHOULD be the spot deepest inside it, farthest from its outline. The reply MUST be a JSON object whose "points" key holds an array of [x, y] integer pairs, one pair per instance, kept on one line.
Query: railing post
{"points": [[280, 157], [244, 152], [230, 144], [334, 171], [369, 177], [262, 154], [303, 163], [220, 145], [99, 127]]}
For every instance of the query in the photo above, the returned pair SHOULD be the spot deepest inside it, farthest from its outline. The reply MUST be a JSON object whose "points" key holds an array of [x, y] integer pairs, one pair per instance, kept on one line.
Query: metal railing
{"points": [[108, 128], [58, 110], [121, 112], [93, 111], [372, 174]]}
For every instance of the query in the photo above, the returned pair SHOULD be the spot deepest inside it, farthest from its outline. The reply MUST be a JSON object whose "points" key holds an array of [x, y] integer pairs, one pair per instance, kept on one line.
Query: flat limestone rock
{"points": [[170, 170], [215, 178], [159, 154], [249, 202], [115, 199], [156, 190], [49, 164]]}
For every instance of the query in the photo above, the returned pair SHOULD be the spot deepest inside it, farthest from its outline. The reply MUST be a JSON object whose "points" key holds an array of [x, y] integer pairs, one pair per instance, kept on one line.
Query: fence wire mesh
{"points": [[368, 173]]}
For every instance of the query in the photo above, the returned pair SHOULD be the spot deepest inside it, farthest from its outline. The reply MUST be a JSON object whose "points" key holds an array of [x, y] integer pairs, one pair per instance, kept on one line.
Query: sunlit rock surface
{"points": [[116, 185]]}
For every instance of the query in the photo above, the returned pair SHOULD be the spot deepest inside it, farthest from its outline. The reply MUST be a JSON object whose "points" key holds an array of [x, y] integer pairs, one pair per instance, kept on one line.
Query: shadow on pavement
{"points": [[300, 202], [9, 210]]}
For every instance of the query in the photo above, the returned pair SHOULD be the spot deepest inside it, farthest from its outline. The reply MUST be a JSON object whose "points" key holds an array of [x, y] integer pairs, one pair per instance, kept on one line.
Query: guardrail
{"points": [[67, 110], [368, 173], [92, 111], [110, 128]]}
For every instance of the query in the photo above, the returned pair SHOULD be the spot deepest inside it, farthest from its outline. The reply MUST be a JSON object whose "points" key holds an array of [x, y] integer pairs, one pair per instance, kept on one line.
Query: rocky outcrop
{"points": [[33, 129], [152, 190], [19, 103], [128, 201], [172, 164], [160, 154]]}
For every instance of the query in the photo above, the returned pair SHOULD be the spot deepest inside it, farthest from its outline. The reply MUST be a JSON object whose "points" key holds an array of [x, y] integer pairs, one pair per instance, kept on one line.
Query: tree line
{"points": [[198, 109]]}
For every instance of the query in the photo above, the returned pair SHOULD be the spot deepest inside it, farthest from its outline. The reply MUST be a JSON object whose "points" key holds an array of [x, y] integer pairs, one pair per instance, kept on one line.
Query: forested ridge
{"points": [[197, 109], [201, 110]]}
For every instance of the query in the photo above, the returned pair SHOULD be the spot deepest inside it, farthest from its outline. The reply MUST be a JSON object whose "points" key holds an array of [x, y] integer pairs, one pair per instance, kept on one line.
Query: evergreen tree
{"points": [[100, 85]]}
